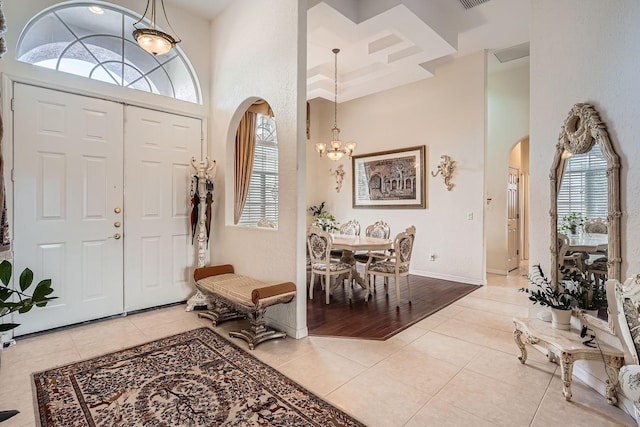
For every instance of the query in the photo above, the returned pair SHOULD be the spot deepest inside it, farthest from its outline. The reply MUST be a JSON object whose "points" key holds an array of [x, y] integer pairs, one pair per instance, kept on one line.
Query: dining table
{"points": [[350, 244], [588, 242]]}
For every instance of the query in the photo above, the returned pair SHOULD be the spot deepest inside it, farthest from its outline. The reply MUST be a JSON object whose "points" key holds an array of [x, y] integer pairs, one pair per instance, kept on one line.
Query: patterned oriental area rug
{"points": [[196, 378]]}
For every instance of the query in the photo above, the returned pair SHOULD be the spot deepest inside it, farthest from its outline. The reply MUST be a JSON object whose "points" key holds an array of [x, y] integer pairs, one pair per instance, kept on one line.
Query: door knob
{"points": [[117, 210], [117, 224], [116, 236]]}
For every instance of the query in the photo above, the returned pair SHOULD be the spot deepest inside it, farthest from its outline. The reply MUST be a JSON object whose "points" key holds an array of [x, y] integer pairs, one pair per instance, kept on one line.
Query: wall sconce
{"points": [[339, 174], [446, 168]]}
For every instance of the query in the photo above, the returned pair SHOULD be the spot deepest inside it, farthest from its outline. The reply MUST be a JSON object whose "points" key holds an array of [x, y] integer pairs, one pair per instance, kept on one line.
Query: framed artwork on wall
{"points": [[390, 179]]}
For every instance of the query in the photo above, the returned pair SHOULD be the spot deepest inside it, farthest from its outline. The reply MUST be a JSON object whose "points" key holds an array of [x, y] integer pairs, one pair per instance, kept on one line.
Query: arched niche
{"points": [[255, 190]]}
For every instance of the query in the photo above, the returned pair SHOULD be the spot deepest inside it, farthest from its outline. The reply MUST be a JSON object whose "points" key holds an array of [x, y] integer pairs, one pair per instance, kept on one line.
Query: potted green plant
{"points": [[555, 296], [17, 300], [14, 300], [572, 223]]}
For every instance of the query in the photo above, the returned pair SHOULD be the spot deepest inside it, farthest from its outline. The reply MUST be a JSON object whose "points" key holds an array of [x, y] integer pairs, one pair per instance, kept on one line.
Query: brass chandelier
{"points": [[335, 151]]}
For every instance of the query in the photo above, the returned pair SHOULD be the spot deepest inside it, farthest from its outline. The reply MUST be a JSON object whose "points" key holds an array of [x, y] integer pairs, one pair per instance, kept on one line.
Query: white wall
{"points": [[508, 106], [585, 51], [259, 51], [193, 30], [447, 113]]}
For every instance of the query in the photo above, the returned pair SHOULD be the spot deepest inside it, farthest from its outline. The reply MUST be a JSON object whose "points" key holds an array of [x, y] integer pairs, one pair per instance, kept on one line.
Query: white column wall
{"points": [[508, 104], [259, 51], [585, 51], [447, 113]]}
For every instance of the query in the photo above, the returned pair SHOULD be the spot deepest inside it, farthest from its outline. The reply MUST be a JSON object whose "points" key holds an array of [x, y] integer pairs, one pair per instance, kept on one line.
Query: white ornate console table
{"points": [[567, 346]]}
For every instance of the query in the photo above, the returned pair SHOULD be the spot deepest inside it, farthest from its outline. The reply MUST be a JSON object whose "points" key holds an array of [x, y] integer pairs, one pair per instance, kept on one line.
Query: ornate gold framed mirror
{"points": [[583, 134]]}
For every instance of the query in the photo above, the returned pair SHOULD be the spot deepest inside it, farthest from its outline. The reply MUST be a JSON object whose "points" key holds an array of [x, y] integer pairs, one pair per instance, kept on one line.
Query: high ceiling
{"points": [[389, 43]]}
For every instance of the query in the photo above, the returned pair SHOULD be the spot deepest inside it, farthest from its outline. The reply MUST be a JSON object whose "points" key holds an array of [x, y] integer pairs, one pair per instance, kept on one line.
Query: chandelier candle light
{"points": [[151, 39], [336, 151]]}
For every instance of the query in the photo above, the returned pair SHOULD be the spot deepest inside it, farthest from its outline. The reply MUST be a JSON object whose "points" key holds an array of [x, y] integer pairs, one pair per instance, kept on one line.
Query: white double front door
{"points": [[100, 204]]}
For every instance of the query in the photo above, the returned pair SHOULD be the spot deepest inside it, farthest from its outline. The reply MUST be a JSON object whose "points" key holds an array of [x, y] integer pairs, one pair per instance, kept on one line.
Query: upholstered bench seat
{"points": [[238, 296]]}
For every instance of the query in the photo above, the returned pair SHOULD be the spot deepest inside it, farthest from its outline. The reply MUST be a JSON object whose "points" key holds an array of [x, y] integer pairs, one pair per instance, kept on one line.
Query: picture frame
{"points": [[392, 179]]}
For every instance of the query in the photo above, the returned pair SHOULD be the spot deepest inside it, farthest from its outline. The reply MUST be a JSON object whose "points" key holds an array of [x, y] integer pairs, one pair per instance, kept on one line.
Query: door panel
{"points": [[68, 179], [513, 227], [159, 256]]}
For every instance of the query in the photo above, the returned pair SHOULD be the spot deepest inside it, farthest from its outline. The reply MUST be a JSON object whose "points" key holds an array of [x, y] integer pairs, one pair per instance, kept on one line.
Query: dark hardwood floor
{"points": [[379, 319]]}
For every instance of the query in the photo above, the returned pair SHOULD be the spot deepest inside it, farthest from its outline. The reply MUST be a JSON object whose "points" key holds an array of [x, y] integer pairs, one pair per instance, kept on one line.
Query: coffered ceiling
{"points": [[389, 43]]}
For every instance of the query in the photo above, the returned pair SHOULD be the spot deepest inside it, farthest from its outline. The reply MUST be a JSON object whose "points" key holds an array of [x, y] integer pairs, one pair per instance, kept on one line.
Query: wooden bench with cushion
{"points": [[236, 296]]}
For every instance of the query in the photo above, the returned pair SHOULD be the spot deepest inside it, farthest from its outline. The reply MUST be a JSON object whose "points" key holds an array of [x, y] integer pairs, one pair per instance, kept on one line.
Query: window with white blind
{"points": [[584, 185], [262, 201]]}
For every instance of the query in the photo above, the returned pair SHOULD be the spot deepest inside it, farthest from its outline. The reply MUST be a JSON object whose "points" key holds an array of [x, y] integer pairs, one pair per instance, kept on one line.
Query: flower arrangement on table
{"points": [[572, 223], [323, 219]]}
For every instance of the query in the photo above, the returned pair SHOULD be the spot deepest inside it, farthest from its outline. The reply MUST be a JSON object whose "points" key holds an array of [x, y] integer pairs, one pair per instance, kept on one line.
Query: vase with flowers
{"points": [[323, 219]]}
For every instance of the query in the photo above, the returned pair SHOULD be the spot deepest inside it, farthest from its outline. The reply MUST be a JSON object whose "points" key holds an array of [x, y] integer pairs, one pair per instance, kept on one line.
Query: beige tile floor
{"points": [[455, 368]]}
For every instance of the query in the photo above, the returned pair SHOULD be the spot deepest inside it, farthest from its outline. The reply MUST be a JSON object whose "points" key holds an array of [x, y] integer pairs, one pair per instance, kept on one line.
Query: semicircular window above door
{"points": [[97, 43]]}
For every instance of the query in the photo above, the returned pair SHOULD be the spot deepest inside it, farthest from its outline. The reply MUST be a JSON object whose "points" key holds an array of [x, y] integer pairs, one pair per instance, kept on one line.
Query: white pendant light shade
{"points": [[154, 42], [151, 39]]}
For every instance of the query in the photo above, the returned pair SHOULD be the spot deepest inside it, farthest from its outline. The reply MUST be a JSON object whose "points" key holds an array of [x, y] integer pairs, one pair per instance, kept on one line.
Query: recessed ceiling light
{"points": [[96, 9]]}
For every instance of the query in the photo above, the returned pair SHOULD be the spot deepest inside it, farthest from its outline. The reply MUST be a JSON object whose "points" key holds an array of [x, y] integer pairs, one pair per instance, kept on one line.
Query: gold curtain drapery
{"points": [[245, 148], [561, 167], [261, 107]]}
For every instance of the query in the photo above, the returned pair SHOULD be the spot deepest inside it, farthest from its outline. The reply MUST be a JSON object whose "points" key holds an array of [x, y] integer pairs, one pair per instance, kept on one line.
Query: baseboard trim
{"points": [[497, 271], [450, 277]]}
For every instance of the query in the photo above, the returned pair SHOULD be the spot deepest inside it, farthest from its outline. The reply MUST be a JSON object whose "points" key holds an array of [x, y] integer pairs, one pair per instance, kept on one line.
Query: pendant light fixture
{"points": [[151, 39], [335, 150]]}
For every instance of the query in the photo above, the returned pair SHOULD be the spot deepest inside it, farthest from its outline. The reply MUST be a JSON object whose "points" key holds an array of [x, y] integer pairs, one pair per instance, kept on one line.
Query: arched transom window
{"points": [[94, 40]]}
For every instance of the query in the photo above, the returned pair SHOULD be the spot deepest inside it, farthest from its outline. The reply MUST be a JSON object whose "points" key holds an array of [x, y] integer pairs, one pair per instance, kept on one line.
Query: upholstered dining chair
{"points": [[349, 228], [596, 226], [598, 269], [596, 264], [571, 260], [378, 229], [624, 314], [394, 265], [319, 244]]}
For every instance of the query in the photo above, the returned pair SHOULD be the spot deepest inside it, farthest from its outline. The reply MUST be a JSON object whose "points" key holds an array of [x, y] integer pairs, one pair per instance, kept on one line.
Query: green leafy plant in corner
{"points": [[545, 293], [17, 300], [14, 300]]}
